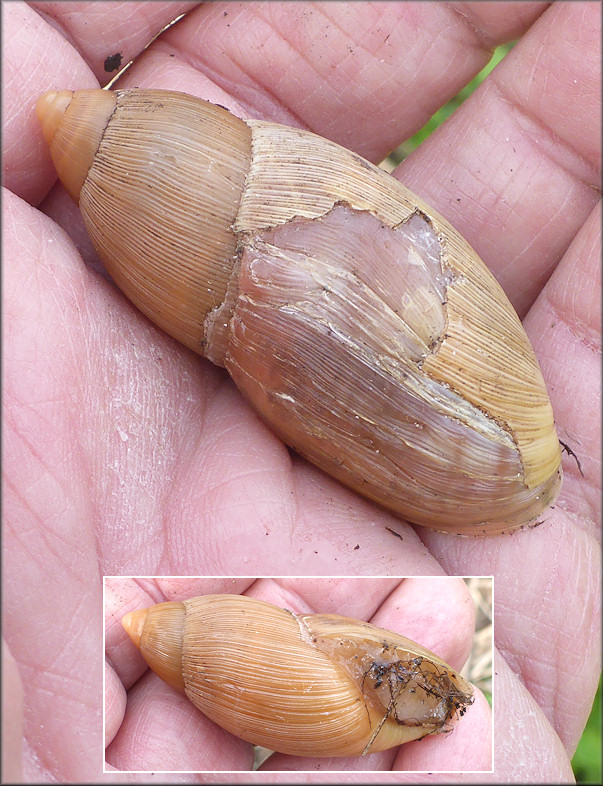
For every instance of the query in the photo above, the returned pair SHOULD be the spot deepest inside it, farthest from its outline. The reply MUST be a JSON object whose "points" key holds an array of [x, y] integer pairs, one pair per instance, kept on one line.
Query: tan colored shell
{"points": [[307, 685], [361, 326]]}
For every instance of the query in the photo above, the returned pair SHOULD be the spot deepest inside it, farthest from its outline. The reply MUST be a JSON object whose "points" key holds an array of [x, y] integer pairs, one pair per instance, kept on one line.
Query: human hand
{"points": [[437, 612], [124, 449]]}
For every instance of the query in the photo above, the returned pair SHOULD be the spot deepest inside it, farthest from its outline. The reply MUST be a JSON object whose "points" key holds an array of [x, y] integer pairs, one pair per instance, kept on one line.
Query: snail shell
{"points": [[306, 685], [361, 326]]}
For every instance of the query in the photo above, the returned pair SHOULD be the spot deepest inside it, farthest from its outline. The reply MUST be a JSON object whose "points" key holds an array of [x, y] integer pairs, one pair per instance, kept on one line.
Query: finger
{"points": [[162, 730], [12, 718], [565, 328], [565, 324], [330, 67], [109, 35], [467, 748], [115, 703], [122, 595], [516, 168], [560, 670], [357, 598], [27, 168], [526, 748], [48, 522]]}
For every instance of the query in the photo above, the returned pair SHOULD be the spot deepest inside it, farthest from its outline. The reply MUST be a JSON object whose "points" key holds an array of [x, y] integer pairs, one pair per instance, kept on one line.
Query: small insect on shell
{"points": [[306, 685], [361, 326]]}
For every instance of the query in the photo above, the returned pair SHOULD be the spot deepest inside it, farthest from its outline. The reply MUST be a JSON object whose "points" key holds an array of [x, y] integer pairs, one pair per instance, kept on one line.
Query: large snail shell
{"points": [[307, 685], [357, 321]]}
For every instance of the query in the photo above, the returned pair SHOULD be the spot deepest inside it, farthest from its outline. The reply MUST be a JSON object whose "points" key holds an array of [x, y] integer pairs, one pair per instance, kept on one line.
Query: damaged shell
{"points": [[306, 685], [361, 326]]}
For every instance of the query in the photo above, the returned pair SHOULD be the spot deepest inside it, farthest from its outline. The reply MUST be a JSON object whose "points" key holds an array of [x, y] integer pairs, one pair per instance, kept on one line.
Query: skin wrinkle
{"points": [[82, 459], [357, 42], [522, 662], [351, 51], [162, 553], [197, 61], [484, 41], [268, 501], [174, 535], [580, 53], [58, 25], [69, 569], [22, 65], [263, 89], [52, 691], [542, 231], [572, 321], [551, 688], [77, 699], [215, 490], [135, 563], [485, 205], [432, 46], [49, 668], [588, 248], [517, 110], [143, 413], [41, 476]]}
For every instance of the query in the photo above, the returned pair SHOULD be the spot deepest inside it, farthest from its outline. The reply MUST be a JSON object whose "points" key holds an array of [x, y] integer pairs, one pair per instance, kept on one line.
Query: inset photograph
{"points": [[298, 674]]}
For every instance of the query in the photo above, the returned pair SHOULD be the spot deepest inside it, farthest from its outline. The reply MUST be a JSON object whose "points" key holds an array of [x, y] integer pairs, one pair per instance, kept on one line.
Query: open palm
{"points": [[126, 454]]}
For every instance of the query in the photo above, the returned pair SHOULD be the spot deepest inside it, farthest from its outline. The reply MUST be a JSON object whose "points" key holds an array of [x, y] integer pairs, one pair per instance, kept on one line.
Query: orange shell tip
{"points": [[50, 108], [133, 623]]}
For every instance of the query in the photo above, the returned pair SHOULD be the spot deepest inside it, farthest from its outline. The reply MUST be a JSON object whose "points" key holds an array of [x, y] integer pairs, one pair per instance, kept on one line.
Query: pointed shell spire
{"points": [[73, 124]]}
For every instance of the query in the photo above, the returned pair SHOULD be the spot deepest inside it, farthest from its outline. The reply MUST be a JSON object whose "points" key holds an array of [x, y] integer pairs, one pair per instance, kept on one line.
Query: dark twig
{"points": [[570, 452]]}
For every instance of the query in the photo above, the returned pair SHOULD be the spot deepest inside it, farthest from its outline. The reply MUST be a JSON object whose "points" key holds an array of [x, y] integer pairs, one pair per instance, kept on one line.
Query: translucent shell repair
{"points": [[361, 326], [306, 685]]}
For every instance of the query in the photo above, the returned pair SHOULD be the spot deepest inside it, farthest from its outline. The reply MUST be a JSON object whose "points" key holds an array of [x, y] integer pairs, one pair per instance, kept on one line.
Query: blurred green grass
{"points": [[586, 762]]}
